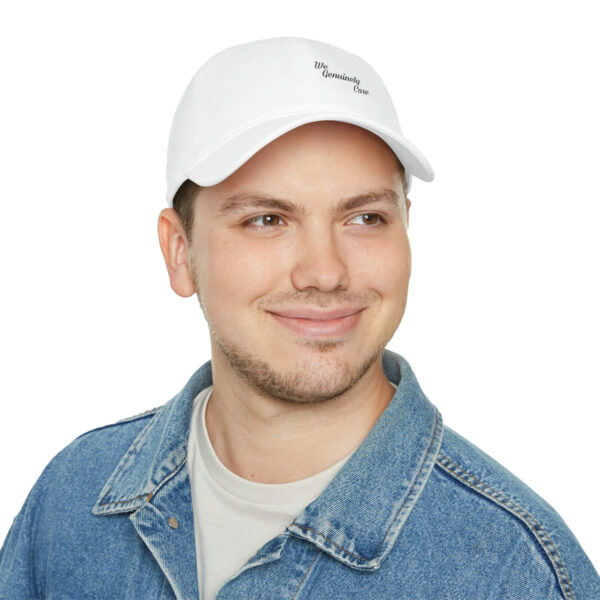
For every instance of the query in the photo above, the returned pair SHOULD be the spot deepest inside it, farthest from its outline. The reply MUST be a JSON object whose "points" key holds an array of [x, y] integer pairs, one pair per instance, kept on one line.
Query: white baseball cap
{"points": [[248, 95]]}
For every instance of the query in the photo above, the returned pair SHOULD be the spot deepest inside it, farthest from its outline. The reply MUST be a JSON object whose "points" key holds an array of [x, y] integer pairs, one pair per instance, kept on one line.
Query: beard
{"points": [[311, 381], [317, 379]]}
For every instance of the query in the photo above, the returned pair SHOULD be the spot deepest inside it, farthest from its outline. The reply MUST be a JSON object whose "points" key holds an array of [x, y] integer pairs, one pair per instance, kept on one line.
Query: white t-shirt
{"points": [[234, 517]]}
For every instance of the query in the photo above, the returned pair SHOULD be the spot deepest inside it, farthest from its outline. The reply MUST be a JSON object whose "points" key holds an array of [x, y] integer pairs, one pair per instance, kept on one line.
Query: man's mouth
{"points": [[310, 322]]}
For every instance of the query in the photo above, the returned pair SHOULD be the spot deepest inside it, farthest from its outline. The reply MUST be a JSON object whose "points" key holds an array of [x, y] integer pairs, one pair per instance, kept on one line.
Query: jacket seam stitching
{"points": [[307, 528], [515, 509], [149, 495], [126, 421], [312, 562], [393, 520], [138, 442], [147, 413]]}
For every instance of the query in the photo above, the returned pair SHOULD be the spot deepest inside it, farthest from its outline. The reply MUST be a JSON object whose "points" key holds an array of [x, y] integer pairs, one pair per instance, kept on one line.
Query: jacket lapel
{"points": [[359, 516], [152, 483]]}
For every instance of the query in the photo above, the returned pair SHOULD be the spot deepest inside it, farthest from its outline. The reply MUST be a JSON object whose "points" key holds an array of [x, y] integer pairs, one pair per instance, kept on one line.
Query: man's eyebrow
{"points": [[387, 196], [245, 200]]}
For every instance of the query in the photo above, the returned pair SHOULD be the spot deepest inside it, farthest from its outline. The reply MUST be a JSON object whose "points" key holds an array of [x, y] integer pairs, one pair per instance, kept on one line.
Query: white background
{"points": [[502, 324]]}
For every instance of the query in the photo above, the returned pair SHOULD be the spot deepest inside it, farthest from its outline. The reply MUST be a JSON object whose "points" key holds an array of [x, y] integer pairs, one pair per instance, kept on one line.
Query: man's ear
{"points": [[174, 247], [408, 203]]}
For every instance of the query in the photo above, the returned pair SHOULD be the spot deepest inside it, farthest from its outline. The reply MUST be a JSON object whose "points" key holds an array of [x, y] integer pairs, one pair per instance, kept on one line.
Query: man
{"points": [[303, 461]]}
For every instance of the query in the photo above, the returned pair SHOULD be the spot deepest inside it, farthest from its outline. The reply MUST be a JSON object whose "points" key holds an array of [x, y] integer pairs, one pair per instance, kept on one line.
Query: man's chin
{"points": [[297, 388], [324, 376]]}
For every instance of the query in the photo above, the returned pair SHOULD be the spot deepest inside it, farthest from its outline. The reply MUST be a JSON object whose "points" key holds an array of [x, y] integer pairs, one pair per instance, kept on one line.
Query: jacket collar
{"points": [[157, 453], [358, 516]]}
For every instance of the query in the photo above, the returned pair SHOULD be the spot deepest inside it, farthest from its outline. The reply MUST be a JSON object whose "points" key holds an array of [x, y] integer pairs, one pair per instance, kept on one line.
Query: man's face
{"points": [[301, 262]]}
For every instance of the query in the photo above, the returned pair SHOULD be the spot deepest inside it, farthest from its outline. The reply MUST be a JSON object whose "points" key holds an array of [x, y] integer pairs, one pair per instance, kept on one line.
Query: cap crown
{"points": [[249, 94]]}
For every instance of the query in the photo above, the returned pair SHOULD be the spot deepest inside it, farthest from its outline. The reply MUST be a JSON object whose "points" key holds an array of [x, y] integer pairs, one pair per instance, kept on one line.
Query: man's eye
{"points": [[264, 221], [367, 219]]}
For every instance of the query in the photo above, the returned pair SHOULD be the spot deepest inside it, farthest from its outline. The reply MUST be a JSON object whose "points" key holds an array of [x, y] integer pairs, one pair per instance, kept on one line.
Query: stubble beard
{"points": [[318, 379], [313, 381]]}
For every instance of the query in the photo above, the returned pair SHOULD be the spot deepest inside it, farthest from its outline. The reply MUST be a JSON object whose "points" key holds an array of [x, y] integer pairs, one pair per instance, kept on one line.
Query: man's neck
{"points": [[269, 440]]}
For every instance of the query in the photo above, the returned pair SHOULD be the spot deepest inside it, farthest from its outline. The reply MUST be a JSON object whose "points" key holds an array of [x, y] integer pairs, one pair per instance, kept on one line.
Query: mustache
{"points": [[316, 298]]}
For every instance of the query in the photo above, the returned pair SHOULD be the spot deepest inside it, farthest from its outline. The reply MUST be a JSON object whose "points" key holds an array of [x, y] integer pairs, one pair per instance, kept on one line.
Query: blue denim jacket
{"points": [[416, 513]]}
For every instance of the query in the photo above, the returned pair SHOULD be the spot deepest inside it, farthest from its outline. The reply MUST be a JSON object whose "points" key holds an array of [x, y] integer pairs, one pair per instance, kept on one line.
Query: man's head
{"points": [[293, 234], [300, 260]]}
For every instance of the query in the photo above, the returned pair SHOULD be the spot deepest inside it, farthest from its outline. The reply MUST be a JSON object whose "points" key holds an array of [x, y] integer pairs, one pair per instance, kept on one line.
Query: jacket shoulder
{"points": [[140, 418], [103, 445], [91, 457], [60, 501], [476, 473]]}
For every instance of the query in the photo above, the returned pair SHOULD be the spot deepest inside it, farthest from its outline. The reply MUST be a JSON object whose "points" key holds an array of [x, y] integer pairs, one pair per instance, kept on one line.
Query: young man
{"points": [[303, 461]]}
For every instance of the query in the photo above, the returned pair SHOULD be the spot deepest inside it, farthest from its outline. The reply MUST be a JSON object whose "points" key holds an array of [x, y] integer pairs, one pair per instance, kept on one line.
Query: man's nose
{"points": [[319, 262]]}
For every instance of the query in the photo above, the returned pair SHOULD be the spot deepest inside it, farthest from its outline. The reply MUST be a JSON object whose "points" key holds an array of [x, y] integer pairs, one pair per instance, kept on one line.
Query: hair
{"points": [[188, 191], [183, 204]]}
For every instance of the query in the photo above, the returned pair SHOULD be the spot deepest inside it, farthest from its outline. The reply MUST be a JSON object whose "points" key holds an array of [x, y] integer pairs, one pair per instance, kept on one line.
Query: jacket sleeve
{"points": [[23, 548]]}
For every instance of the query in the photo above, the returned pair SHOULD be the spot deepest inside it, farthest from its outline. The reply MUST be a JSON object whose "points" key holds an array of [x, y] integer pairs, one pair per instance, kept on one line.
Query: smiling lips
{"points": [[319, 324]]}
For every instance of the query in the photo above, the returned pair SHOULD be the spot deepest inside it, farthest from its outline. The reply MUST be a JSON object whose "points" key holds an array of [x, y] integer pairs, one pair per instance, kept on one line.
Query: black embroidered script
{"points": [[325, 72]]}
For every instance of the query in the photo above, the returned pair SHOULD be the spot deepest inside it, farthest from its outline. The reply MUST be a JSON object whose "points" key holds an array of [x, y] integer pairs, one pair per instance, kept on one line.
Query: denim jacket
{"points": [[416, 513]]}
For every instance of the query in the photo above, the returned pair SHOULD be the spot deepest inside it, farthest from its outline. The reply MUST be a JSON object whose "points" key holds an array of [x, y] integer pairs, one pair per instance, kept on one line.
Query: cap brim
{"points": [[216, 165]]}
